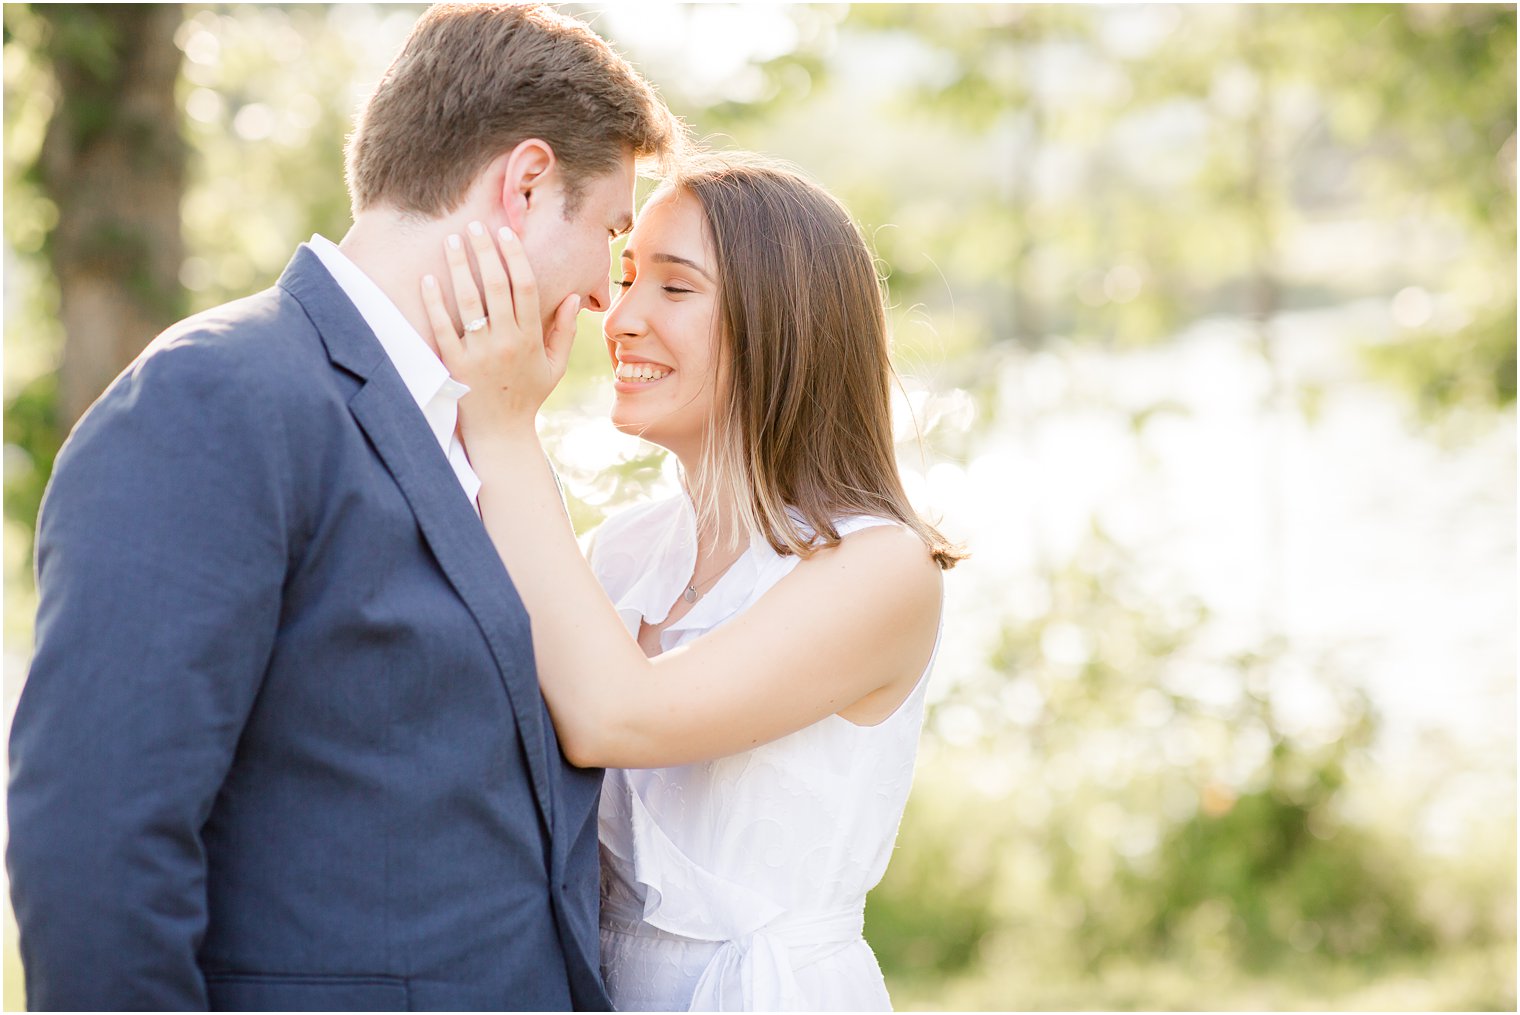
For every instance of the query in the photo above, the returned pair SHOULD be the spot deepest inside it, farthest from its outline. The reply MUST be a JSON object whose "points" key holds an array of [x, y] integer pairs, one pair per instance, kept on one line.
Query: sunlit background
{"points": [[1205, 318]]}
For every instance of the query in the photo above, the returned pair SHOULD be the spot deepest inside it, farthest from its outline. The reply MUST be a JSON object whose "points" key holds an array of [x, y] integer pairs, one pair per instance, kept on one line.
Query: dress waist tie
{"points": [[757, 971]]}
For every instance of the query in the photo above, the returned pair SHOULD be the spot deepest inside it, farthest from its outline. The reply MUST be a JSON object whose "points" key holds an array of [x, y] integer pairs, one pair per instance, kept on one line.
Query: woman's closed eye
{"points": [[624, 284]]}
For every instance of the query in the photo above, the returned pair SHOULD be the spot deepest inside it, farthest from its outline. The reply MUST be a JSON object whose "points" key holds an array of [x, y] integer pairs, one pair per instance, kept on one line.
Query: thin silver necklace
{"points": [[691, 594]]}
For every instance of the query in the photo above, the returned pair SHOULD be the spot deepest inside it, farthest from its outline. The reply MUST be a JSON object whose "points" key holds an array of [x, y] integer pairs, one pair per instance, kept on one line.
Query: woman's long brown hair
{"points": [[802, 429]]}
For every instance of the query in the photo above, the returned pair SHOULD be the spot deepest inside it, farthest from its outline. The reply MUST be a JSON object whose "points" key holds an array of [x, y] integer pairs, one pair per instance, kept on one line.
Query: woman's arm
{"points": [[847, 623]]}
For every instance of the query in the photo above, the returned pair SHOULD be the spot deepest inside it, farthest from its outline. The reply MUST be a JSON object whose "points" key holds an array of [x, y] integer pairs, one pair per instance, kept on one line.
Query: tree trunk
{"points": [[113, 162]]}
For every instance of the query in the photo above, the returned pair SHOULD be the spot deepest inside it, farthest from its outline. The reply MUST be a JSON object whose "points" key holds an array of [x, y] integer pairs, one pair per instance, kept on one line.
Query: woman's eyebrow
{"points": [[673, 259], [628, 254]]}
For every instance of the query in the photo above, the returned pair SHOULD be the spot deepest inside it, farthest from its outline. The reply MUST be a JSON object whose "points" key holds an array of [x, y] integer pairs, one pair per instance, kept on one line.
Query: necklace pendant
{"points": [[690, 595]]}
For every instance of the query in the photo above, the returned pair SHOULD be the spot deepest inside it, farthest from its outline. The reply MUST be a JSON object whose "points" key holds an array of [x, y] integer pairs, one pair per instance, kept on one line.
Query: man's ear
{"points": [[529, 167]]}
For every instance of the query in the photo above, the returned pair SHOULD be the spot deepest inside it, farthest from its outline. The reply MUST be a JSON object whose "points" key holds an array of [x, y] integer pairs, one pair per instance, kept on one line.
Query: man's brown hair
{"points": [[474, 81]]}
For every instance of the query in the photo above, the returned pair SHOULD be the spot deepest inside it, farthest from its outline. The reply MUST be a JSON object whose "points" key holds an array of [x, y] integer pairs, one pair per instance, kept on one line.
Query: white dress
{"points": [[740, 884]]}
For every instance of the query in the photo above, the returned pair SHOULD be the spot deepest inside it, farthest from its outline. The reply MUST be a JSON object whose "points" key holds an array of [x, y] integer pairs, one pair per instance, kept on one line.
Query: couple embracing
{"points": [[329, 711]]}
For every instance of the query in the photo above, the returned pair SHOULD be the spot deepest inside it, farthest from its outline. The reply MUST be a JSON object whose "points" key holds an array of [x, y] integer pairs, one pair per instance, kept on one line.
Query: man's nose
{"points": [[600, 298]]}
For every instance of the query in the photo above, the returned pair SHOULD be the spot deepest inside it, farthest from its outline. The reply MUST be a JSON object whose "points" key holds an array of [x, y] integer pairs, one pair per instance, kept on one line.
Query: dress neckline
{"points": [[728, 595], [664, 568]]}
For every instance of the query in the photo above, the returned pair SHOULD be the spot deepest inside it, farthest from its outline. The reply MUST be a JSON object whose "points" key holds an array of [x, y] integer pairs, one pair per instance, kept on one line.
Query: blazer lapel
{"points": [[384, 409]]}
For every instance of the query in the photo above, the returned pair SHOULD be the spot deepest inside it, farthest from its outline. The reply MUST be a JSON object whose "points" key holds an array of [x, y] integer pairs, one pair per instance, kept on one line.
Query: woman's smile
{"points": [[666, 307], [635, 375]]}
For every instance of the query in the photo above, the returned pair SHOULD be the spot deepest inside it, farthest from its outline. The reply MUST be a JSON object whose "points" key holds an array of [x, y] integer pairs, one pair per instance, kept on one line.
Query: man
{"points": [[282, 745]]}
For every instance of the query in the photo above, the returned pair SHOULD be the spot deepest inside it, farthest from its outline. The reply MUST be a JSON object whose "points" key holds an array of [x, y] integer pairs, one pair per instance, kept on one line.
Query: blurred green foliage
{"points": [[1154, 164], [1113, 810], [1148, 807], [31, 422]]}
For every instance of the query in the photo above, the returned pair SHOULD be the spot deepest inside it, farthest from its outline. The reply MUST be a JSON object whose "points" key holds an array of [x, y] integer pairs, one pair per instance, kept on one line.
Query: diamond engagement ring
{"points": [[479, 324]]}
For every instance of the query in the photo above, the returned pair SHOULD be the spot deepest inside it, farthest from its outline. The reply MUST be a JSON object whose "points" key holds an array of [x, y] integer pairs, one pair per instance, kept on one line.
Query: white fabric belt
{"points": [[757, 972]]}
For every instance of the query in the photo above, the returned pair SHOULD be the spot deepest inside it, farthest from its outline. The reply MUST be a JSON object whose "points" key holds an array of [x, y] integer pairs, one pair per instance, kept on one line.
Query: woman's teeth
{"points": [[639, 372]]}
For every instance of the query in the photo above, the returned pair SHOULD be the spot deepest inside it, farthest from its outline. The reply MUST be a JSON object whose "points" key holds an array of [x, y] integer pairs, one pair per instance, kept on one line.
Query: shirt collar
{"points": [[421, 370]]}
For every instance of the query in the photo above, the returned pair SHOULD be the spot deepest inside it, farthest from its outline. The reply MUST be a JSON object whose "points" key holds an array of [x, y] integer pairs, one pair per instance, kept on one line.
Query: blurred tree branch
{"points": [[113, 162]]}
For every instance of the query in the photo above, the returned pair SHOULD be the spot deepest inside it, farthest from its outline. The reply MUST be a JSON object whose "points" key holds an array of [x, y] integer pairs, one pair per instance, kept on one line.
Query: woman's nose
{"points": [[623, 322]]}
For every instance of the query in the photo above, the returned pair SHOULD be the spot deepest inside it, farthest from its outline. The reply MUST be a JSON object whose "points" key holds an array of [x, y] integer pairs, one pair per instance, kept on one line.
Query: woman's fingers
{"points": [[562, 335], [515, 357], [466, 294], [449, 346], [507, 297], [493, 277], [524, 287]]}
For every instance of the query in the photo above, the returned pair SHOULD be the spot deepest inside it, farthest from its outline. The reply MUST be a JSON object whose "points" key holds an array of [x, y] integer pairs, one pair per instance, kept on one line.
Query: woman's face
{"points": [[662, 329]]}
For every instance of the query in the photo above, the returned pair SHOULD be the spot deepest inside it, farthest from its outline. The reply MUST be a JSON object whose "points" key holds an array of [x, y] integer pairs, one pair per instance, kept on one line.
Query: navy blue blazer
{"points": [[282, 744]]}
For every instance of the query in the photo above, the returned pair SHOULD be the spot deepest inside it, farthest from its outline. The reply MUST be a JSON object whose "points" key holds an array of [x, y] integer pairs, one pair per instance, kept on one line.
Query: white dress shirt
{"points": [[426, 378]]}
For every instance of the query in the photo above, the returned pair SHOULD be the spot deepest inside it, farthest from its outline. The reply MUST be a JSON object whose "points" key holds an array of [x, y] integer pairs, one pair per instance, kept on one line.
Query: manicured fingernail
{"points": [[506, 233], [476, 229], [430, 281], [454, 241]]}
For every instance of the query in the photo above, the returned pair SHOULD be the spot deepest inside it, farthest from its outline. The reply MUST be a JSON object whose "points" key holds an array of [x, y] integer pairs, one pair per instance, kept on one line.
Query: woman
{"points": [[756, 685]]}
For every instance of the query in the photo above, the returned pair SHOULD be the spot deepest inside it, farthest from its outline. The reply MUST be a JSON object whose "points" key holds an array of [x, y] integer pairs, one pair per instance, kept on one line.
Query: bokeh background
{"points": [[1205, 318]]}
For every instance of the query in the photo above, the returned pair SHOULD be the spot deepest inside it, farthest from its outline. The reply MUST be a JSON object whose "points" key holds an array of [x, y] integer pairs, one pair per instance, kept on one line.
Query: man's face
{"points": [[572, 255]]}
